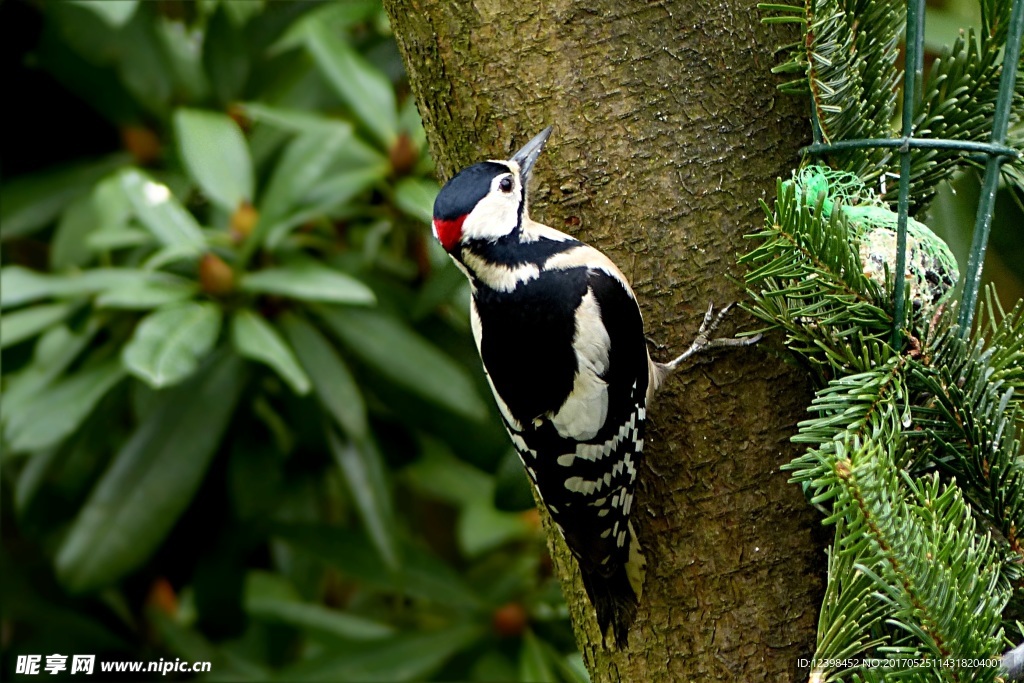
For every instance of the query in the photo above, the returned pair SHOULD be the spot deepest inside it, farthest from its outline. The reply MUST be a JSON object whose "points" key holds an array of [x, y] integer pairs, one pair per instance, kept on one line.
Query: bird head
{"points": [[486, 201]]}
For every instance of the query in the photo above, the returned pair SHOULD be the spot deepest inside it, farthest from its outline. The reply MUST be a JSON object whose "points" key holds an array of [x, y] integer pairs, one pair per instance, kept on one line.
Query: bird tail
{"points": [[615, 596]]}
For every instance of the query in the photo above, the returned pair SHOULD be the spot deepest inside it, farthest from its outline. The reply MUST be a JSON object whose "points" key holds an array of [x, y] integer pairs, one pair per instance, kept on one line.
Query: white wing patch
{"points": [[589, 257], [585, 410]]}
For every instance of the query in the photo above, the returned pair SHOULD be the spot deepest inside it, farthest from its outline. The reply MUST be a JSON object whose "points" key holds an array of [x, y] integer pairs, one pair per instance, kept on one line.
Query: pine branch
{"points": [[847, 63], [959, 103], [851, 56], [972, 414], [938, 577], [807, 280]]}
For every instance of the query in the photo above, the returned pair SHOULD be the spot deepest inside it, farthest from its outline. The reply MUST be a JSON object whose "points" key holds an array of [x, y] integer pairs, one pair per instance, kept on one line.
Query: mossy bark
{"points": [[668, 130]]}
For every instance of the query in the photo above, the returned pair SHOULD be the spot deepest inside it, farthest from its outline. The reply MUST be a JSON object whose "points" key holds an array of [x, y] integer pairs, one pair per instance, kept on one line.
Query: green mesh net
{"points": [[932, 271]]}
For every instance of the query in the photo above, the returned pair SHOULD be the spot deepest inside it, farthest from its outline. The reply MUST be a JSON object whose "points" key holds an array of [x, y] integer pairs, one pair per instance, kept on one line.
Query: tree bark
{"points": [[668, 130]]}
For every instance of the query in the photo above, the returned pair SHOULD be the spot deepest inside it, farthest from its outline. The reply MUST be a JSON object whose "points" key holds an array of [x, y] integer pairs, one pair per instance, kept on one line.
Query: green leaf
{"points": [[118, 238], [69, 247], [420, 575], [148, 295], [407, 657], [328, 196], [56, 349], [511, 487], [534, 664], [367, 91], [317, 618], [216, 156], [303, 163], [188, 644], [363, 467], [482, 528], [333, 383], [48, 417], [256, 339], [116, 13], [152, 479], [32, 202], [20, 285], [295, 120], [169, 343], [225, 54], [308, 280], [160, 212], [416, 198], [28, 322], [405, 358]]}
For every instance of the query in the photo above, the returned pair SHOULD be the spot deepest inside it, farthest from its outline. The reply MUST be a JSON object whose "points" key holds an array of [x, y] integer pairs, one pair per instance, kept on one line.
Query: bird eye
{"points": [[506, 184]]}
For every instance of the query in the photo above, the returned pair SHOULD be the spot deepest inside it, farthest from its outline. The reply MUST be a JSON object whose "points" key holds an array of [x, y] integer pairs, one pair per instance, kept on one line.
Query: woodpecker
{"points": [[562, 342]]}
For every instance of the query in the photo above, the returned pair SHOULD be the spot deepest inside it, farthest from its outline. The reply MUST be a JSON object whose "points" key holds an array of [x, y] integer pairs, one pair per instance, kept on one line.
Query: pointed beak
{"points": [[527, 156]]}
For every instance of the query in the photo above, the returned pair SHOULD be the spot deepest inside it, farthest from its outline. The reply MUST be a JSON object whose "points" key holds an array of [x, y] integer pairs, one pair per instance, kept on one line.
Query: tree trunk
{"points": [[668, 130]]}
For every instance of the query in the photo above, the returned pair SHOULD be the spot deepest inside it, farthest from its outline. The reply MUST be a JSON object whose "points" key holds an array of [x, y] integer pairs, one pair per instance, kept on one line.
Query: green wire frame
{"points": [[996, 153]]}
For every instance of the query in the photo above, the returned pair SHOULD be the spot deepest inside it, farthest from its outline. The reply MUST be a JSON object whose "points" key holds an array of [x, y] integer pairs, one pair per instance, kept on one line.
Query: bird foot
{"points": [[703, 341]]}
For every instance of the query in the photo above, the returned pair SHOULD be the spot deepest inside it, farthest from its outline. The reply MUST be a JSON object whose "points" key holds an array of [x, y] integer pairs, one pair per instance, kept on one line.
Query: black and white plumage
{"points": [[562, 342]]}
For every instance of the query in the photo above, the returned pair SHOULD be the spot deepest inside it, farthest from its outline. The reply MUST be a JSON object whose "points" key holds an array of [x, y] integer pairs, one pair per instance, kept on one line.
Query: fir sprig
{"points": [[847, 64], [907, 451]]}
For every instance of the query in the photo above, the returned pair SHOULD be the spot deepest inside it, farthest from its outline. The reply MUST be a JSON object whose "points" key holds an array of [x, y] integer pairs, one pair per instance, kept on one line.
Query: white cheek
{"points": [[495, 215]]}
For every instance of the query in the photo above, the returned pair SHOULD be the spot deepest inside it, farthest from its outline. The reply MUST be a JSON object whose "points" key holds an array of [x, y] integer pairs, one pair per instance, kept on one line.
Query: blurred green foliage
{"points": [[242, 419]]}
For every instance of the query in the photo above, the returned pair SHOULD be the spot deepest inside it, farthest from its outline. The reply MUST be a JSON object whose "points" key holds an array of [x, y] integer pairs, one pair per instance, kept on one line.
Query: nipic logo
{"points": [[55, 663]]}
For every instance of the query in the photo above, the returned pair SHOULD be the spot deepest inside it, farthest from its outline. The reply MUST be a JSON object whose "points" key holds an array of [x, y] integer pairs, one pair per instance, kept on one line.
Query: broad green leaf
{"points": [[317, 618], [420, 575], [302, 165], [49, 416], [573, 669], [416, 198], [216, 156], [24, 324], [118, 238], [56, 349], [410, 656], [482, 528], [69, 247], [256, 339], [160, 212], [437, 473], [20, 285], [512, 490], [363, 468], [169, 343], [405, 358], [333, 383], [148, 295], [534, 663], [367, 91], [189, 644], [32, 202], [225, 54], [185, 60], [310, 281], [174, 253], [143, 65], [116, 13], [325, 199], [152, 479], [295, 120]]}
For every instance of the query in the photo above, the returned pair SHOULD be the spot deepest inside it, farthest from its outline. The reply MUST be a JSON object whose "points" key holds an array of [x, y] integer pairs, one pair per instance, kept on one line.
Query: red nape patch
{"points": [[448, 232]]}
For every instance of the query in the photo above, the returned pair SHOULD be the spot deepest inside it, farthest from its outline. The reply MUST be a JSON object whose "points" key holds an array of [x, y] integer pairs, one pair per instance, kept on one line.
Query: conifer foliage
{"points": [[913, 453]]}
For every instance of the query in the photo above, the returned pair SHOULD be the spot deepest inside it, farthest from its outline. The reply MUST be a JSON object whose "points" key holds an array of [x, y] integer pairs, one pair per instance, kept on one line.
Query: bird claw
{"points": [[703, 342]]}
